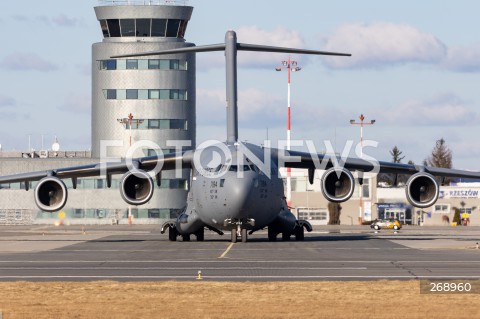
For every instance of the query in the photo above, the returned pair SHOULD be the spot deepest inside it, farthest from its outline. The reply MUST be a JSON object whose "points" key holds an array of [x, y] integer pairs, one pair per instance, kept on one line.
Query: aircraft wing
{"points": [[166, 162], [305, 160], [422, 188], [136, 188]]}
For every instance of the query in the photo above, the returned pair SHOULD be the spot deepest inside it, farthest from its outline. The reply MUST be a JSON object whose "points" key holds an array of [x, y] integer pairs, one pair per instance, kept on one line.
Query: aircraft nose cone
{"points": [[239, 193]]}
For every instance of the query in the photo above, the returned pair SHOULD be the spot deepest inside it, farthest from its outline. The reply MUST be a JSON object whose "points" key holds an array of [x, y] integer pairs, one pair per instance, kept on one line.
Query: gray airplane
{"points": [[235, 187]]}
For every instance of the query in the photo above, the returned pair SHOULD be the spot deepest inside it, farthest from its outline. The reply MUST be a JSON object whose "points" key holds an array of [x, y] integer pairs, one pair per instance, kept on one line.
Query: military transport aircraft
{"points": [[235, 186]]}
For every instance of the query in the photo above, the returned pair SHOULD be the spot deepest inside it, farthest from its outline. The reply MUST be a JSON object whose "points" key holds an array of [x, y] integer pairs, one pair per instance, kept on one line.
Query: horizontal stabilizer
{"points": [[240, 47], [265, 48]]}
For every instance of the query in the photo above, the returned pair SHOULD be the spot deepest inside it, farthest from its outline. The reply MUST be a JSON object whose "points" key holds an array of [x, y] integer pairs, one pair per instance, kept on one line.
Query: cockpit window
{"points": [[233, 168]]}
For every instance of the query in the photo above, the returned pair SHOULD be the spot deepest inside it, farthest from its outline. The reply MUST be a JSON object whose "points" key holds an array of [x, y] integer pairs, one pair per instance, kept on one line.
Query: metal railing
{"points": [[143, 2]]}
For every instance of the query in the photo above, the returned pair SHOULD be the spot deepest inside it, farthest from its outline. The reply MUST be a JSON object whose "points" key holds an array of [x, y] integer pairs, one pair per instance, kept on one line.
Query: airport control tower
{"points": [[147, 98], [158, 91]]}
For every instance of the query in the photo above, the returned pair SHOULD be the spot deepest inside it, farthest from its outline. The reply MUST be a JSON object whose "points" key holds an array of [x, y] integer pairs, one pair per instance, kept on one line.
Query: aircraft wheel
{"points": [[244, 235], [285, 236], [234, 235], [299, 233], [172, 234], [272, 236], [186, 237], [200, 234]]}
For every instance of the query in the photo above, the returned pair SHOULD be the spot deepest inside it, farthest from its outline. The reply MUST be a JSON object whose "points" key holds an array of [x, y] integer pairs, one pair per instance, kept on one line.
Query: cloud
{"points": [[258, 109], [6, 101], [381, 44], [463, 58], [60, 20], [255, 108], [280, 37], [441, 110], [63, 21], [26, 62], [78, 104]]}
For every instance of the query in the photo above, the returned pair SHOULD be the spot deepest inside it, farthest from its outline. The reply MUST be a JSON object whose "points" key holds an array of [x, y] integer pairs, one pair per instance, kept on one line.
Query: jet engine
{"points": [[51, 194], [422, 190], [136, 188], [337, 185]]}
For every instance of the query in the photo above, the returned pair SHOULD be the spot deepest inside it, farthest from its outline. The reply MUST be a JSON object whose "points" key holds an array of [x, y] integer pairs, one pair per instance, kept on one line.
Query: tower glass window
{"points": [[172, 28], [159, 26], [114, 27], [132, 64], [128, 27], [104, 26], [143, 27]]}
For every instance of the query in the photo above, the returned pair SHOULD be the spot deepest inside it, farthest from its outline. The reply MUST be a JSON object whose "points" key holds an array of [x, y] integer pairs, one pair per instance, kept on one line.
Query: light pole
{"points": [[361, 123], [130, 121], [291, 66]]}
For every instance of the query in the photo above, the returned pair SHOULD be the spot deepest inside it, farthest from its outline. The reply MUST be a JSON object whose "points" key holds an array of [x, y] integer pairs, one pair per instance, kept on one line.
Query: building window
{"points": [[155, 124], [143, 27], [127, 27], [158, 152], [143, 64], [114, 27], [441, 208], [172, 28], [132, 94], [111, 94], [159, 26], [132, 64], [104, 26], [155, 94]]}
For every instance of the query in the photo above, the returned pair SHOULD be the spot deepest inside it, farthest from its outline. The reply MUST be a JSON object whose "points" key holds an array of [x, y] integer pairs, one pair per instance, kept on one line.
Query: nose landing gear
{"points": [[240, 229]]}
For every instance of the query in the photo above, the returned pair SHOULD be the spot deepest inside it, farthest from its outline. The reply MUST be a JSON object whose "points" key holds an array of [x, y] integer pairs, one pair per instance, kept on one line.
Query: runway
{"points": [[142, 254]]}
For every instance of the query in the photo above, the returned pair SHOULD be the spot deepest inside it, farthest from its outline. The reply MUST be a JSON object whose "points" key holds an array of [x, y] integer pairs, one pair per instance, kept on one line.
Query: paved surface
{"points": [[329, 253]]}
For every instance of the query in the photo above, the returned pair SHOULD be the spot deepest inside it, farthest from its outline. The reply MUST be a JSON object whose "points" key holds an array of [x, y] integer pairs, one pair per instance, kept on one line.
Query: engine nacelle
{"points": [[422, 190], [136, 188], [51, 194], [337, 185]]}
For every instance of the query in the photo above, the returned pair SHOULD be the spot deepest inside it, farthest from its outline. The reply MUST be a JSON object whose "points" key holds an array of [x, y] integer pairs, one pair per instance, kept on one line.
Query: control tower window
{"points": [[104, 26], [108, 65], [172, 28], [145, 94], [159, 26], [143, 27], [132, 64], [128, 27], [132, 94], [114, 27], [183, 29], [143, 64], [155, 124]]}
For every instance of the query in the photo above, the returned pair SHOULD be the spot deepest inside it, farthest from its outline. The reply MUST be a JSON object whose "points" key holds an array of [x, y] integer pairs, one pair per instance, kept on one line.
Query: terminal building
{"points": [[140, 106], [384, 203]]}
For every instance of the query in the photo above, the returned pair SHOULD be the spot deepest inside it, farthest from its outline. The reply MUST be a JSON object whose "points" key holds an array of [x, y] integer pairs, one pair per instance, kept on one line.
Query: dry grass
{"points": [[203, 299]]}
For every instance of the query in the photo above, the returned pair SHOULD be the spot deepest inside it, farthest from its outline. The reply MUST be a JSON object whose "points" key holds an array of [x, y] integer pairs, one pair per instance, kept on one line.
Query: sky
{"points": [[415, 69]]}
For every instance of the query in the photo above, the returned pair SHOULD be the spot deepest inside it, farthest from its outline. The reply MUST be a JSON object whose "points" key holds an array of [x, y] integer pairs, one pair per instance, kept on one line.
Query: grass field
{"points": [[203, 299]]}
